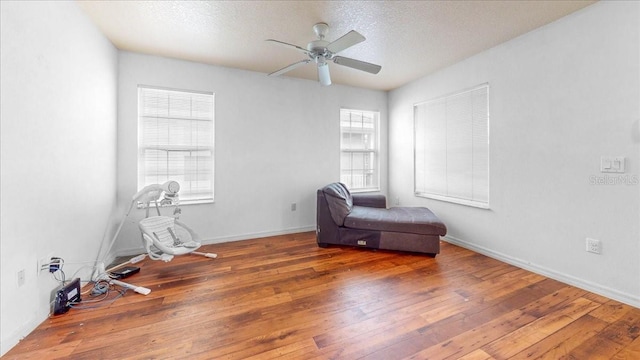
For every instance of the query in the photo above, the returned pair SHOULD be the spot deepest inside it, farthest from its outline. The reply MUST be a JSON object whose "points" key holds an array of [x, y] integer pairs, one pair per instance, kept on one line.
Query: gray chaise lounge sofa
{"points": [[364, 221]]}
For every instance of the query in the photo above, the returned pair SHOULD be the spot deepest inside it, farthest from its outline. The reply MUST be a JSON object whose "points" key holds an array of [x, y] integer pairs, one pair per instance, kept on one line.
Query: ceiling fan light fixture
{"points": [[323, 74]]}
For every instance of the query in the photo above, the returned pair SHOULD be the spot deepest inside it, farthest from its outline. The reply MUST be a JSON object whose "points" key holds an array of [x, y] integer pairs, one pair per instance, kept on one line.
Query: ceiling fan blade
{"points": [[289, 45], [357, 64], [290, 67], [347, 40], [323, 74]]}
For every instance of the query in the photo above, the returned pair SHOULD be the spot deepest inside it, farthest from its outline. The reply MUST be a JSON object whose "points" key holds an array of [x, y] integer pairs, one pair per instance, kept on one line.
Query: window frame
{"points": [[375, 166], [186, 197], [478, 202]]}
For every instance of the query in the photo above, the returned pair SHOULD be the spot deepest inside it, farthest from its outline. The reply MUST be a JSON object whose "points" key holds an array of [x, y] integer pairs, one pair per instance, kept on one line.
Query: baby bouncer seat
{"points": [[163, 236]]}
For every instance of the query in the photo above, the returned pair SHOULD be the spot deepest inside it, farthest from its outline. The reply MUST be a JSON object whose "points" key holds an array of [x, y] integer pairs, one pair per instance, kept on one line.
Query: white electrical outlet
{"points": [[594, 246], [42, 262], [612, 164], [21, 278]]}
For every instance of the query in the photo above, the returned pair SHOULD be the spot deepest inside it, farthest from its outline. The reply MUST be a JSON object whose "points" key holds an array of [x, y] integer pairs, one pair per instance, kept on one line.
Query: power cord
{"points": [[83, 305], [56, 264], [55, 267], [100, 291], [99, 288], [62, 279]]}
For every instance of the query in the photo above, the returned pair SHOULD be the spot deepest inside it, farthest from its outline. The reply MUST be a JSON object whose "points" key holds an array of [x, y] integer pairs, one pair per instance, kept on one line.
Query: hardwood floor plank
{"points": [[297, 350], [58, 351], [509, 345], [477, 355], [283, 297], [611, 311], [631, 352], [611, 340], [560, 343], [473, 315], [477, 337]]}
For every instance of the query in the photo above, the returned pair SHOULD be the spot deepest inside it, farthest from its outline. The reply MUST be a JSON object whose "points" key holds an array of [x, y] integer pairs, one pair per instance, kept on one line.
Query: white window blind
{"points": [[175, 141], [452, 147], [359, 168]]}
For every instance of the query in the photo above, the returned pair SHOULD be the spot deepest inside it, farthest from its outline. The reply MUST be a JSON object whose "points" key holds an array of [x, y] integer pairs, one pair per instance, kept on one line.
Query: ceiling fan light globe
{"points": [[323, 74]]}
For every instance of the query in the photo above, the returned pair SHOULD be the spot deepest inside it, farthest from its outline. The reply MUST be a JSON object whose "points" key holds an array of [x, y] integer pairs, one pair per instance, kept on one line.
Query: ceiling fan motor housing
{"points": [[318, 48]]}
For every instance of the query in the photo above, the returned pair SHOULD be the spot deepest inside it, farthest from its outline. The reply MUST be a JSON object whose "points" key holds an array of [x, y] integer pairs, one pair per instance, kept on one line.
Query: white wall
{"points": [[560, 97], [276, 142], [58, 126]]}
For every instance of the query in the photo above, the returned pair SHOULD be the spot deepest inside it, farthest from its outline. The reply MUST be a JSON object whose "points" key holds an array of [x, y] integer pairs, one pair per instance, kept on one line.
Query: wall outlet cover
{"points": [[21, 278], [612, 164], [594, 246]]}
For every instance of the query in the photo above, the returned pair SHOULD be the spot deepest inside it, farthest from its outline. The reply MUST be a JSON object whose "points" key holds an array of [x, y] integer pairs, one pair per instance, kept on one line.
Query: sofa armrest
{"points": [[376, 201]]}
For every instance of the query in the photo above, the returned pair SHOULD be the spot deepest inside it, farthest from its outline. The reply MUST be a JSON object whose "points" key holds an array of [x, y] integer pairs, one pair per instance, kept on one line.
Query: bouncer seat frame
{"points": [[163, 237]]}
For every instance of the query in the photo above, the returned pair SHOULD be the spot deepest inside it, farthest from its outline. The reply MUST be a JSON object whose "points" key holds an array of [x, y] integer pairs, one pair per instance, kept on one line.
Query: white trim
{"points": [[606, 291], [16, 336], [157, 137], [175, 89], [376, 150], [453, 93], [365, 190], [438, 194], [450, 199], [224, 239]]}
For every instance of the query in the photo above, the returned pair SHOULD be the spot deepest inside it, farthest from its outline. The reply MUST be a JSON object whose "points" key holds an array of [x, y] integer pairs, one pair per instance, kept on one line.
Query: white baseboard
{"points": [[223, 239], [16, 336], [614, 294]]}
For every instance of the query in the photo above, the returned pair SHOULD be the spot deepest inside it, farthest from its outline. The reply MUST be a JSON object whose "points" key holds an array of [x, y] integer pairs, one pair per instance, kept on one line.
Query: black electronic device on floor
{"points": [[125, 272], [65, 296]]}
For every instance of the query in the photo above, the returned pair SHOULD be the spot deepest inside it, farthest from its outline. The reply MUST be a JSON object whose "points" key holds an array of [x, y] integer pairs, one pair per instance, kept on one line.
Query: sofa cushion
{"points": [[339, 201], [413, 220]]}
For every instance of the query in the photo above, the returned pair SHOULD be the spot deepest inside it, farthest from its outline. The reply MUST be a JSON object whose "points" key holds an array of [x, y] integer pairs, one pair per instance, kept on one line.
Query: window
{"points": [[175, 141], [452, 147], [359, 168]]}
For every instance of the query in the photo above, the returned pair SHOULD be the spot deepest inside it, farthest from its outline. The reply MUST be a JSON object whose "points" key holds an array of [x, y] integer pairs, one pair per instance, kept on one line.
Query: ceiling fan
{"points": [[321, 52]]}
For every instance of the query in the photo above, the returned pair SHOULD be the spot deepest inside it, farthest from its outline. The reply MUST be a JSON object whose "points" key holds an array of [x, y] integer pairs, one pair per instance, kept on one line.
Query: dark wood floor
{"points": [[283, 297]]}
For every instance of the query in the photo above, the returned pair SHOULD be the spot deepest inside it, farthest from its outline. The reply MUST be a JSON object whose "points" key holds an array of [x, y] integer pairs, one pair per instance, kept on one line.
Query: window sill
{"points": [[181, 203], [196, 202], [471, 203], [360, 191]]}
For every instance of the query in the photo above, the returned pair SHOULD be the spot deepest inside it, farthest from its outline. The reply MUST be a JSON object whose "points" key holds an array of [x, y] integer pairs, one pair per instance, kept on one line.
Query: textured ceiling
{"points": [[409, 39]]}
